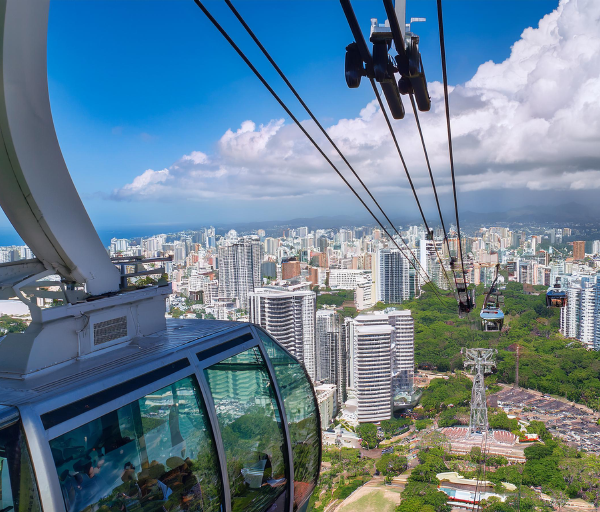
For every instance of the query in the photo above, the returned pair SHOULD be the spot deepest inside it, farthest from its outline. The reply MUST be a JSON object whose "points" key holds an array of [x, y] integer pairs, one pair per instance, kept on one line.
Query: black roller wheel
{"points": [[380, 61], [404, 86], [394, 102], [353, 68]]}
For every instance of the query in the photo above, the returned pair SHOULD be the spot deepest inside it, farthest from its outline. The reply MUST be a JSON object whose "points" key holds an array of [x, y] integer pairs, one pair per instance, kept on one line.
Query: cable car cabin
{"points": [[205, 415], [492, 319], [465, 298], [466, 306], [556, 297]]}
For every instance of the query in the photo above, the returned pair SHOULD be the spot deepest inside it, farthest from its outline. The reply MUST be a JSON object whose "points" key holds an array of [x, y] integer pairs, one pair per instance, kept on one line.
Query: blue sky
{"points": [[136, 85]]}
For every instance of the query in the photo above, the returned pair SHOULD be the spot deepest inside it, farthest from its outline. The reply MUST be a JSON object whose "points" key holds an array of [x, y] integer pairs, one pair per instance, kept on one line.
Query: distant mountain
{"points": [[321, 222], [550, 213]]}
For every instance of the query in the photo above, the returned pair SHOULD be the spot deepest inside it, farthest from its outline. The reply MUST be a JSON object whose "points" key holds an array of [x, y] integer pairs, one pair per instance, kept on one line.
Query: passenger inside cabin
{"points": [[91, 486]]}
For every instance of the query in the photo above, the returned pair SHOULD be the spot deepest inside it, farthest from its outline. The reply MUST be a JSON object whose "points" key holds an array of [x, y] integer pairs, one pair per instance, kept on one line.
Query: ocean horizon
{"points": [[8, 236]]}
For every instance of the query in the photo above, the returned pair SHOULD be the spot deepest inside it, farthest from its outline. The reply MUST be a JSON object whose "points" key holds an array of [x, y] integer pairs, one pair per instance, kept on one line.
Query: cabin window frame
{"points": [[231, 349], [38, 437]]}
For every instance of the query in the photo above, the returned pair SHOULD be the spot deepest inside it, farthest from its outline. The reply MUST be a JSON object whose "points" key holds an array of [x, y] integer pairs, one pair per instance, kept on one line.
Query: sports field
{"points": [[372, 499]]}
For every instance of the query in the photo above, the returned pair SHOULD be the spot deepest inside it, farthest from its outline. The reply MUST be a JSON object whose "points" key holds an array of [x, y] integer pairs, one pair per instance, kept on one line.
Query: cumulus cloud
{"points": [[531, 122]]}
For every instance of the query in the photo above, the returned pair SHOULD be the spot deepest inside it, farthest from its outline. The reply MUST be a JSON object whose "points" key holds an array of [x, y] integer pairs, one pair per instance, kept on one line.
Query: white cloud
{"points": [[531, 123], [146, 184]]}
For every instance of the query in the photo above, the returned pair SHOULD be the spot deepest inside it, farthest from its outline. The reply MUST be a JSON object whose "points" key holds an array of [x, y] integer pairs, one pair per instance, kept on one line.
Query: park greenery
{"points": [[394, 426], [9, 325], [368, 433], [421, 492], [549, 362], [391, 464], [347, 471], [336, 298]]}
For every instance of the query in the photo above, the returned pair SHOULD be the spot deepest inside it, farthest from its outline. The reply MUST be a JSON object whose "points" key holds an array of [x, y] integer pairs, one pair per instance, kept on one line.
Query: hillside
{"points": [[548, 362]]}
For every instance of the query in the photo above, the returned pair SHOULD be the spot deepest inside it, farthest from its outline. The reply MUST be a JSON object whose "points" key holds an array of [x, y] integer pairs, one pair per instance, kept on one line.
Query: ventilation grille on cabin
{"points": [[110, 330]]}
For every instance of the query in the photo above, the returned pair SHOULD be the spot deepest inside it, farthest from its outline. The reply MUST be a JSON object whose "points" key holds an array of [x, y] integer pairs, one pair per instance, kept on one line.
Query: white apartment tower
{"points": [[393, 276], [239, 268], [580, 317], [381, 360], [373, 372], [289, 316], [271, 245], [403, 350], [330, 351]]}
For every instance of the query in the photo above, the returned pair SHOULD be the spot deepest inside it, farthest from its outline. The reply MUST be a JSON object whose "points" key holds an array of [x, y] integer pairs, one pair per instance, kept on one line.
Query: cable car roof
{"points": [[491, 314], [123, 361]]}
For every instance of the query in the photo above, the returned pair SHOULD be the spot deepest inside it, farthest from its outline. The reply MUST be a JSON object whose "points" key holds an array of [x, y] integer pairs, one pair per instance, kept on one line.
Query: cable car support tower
{"points": [[482, 361]]}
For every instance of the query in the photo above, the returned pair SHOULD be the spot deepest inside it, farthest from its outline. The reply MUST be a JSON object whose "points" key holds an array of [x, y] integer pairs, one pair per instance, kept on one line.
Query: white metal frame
{"points": [[36, 190]]}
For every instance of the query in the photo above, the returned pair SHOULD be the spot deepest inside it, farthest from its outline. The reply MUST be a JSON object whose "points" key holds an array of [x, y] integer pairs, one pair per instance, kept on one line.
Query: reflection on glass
{"points": [[251, 429], [302, 416], [18, 491], [154, 454]]}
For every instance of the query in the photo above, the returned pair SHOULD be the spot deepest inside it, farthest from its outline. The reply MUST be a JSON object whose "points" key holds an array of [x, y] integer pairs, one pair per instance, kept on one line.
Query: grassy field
{"points": [[372, 499]]}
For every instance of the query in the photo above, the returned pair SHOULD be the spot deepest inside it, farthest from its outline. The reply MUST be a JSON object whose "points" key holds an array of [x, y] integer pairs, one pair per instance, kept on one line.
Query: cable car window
{"points": [[154, 454], [18, 490], [302, 416], [251, 429]]}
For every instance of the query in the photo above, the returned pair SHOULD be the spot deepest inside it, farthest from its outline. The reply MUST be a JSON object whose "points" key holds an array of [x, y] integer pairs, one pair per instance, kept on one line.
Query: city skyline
{"points": [[200, 314]]}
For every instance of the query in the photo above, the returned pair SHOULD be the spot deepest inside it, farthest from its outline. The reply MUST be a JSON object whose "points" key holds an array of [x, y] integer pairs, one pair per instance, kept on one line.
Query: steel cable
{"points": [[304, 131], [316, 121], [450, 152]]}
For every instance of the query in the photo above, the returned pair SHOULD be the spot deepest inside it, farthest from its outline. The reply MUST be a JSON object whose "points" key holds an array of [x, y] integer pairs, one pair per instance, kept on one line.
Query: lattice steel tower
{"points": [[482, 360]]}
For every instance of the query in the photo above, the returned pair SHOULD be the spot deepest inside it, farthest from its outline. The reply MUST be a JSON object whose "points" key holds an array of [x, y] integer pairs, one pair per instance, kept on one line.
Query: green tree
{"points": [[368, 433], [391, 464], [9, 324], [501, 421]]}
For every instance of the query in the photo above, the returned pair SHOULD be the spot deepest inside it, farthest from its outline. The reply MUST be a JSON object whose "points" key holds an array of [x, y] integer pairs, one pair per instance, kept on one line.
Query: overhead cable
{"points": [[450, 152], [316, 121], [308, 136], [437, 201], [412, 186]]}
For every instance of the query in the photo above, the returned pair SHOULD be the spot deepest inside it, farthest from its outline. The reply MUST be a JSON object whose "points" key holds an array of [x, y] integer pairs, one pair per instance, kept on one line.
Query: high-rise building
{"points": [[322, 244], [210, 238], [381, 361], [118, 245], [239, 268], [271, 245], [179, 253], [268, 270], [373, 372], [318, 259], [580, 318], [290, 269], [364, 293], [578, 250], [290, 317], [403, 350], [393, 277], [331, 351], [347, 279], [596, 247]]}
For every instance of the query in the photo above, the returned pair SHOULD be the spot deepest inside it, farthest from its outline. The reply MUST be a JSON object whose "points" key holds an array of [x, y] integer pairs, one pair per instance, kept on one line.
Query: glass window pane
{"points": [[251, 429], [156, 453], [18, 490], [302, 415]]}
